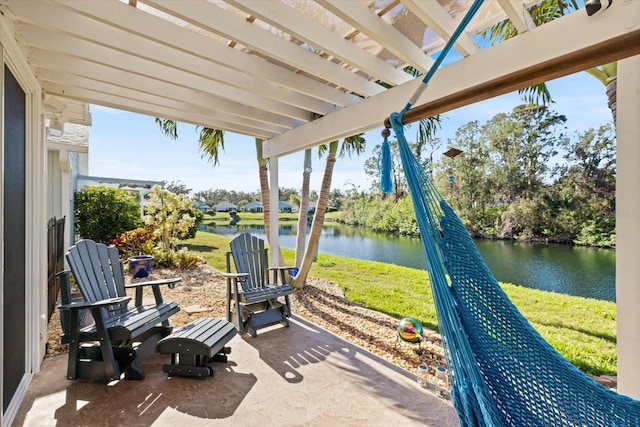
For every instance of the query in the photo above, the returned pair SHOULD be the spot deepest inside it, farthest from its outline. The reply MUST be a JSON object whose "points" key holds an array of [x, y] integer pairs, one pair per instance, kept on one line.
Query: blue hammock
{"points": [[502, 372]]}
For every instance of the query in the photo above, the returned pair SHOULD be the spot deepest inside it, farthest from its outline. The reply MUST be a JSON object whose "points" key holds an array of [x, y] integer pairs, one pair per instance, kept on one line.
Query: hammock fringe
{"points": [[384, 166]]}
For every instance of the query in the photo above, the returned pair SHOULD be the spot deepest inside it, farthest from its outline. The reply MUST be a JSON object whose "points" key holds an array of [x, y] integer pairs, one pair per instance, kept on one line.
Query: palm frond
{"points": [[168, 127], [354, 144], [538, 94], [211, 144]]}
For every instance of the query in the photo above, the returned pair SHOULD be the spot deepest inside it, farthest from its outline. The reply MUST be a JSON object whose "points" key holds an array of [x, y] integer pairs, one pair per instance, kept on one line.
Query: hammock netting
{"points": [[502, 372]]}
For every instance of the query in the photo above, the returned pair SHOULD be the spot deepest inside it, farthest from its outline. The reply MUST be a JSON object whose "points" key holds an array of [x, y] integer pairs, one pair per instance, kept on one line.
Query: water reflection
{"points": [[588, 272]]}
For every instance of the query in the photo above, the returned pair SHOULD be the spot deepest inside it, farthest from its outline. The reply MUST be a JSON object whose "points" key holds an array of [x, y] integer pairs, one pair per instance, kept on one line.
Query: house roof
{"points": [[225, 204], [121, 182], [296, 73], [74, 137]]}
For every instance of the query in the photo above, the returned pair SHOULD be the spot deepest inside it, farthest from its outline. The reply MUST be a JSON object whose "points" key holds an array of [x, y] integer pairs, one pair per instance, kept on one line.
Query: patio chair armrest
{"points": [[282, 268], [237, 276], [282, 271], [170, 282], [105, 302]]}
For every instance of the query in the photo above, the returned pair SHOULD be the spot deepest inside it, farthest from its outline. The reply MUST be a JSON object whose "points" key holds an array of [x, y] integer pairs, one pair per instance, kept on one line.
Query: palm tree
{"points": [[541, 13], [304, 208], [608, 76], [353, 144], [211, 145]]}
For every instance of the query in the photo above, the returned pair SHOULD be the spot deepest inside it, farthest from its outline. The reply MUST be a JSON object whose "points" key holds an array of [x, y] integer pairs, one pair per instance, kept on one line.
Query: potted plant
{"points": [[140, 265], [137, 244]]}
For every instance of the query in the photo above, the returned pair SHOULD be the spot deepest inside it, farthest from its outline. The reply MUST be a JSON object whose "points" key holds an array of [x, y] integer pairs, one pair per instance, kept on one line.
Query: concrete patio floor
{"points": [[301, 375]]}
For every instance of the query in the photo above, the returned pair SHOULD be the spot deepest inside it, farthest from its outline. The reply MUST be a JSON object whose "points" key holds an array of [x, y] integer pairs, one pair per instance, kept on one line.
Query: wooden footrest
{"points": [[194, 345]]}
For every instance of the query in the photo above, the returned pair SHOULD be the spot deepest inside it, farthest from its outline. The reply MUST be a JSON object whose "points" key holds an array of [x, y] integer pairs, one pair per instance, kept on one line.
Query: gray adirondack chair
{"points": [[257, 295], [121, 337]]}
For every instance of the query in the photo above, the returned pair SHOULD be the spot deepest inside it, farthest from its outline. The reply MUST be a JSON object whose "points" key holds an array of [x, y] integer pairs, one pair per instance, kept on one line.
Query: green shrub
{"points": [[138, 241], [186, 260], [170, 216], [102, 213], [191, 232], [164, 259]]}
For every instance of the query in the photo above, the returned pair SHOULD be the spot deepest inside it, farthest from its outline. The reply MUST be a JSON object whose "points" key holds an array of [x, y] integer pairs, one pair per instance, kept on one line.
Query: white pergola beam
{"points": [[124, 17], [60, 79], [57, 18], [528, 51], [44, 60], [233, 27], [320, 37], [518, 15], [57, 41], [359, 15], [438, 20]]}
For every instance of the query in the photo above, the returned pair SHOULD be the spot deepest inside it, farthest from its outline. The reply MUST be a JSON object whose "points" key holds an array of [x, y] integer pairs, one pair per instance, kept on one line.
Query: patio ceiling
{"points": [[296, 73]]}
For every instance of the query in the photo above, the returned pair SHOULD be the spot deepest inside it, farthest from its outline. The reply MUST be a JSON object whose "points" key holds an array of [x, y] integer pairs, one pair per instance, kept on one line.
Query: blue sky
{"points": [[131, 146]]}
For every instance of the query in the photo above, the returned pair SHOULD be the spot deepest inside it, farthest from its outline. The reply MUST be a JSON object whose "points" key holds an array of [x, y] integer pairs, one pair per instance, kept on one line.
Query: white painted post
{"points": [[628, 226]]}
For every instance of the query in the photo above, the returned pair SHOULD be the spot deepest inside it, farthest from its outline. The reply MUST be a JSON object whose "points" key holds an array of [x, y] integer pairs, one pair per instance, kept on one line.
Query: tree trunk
{"points": [[612, 94], [264, 187], [318, 219], [266, 197], [301, 237]]}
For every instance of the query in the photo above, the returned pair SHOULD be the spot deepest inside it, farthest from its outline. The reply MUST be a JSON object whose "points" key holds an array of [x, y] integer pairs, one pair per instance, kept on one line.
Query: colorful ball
{"points": [[410, 330]]}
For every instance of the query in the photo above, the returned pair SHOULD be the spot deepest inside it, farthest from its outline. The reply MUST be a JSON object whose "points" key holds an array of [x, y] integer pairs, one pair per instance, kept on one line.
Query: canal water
{"points": [[573, 270]]}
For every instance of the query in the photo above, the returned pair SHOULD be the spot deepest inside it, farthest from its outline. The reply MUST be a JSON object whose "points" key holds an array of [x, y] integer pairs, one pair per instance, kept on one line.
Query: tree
{"points": [[178, 188], [353, 144], [400, 188], [588, 180], [464, 179], [286, 194], [608, 76], [499, 181], [524, 141], [336, 199], [301, 235], [102, 213], [170, 216]]}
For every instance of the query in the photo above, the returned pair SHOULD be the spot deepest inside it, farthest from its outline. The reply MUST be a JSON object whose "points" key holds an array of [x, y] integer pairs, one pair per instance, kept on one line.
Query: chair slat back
{"points": [[250, 256], [97, 269]]}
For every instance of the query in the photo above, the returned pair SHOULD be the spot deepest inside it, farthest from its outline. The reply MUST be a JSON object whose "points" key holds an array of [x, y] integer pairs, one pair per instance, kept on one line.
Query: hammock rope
{"points": [[502, 372]]}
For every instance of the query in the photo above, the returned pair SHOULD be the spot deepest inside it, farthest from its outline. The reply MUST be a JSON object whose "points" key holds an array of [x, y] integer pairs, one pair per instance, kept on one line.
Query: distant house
{"points": [[311, 207], [203, 207], [253, 207], [284, 207], [225, 207]]}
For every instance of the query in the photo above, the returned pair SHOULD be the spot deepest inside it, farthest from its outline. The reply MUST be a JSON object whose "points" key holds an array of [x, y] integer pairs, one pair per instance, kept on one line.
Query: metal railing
{"points": [[55, 260]]}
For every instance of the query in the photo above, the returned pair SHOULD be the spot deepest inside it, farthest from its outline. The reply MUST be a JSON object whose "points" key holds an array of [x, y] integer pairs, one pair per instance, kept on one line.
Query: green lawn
{"points": [[582, 330]]}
